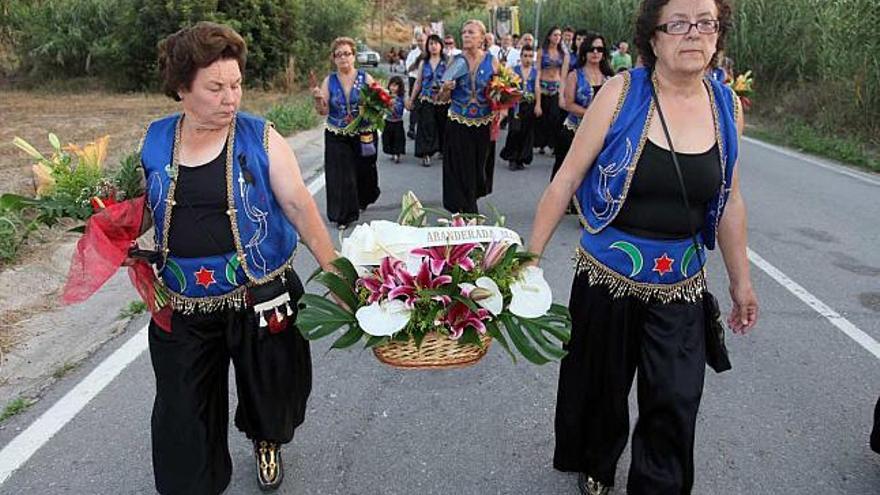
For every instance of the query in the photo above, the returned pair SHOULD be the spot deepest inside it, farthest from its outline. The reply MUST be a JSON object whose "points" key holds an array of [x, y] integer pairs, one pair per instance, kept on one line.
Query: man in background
{"points": [[621, 60]]}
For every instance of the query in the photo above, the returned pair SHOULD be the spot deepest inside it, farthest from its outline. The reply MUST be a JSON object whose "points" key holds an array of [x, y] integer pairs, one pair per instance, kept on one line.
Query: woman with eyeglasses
{"points": [[467, 141], [638, 294], [349, 154], [582, 84], [551, 58], [430, 112]]}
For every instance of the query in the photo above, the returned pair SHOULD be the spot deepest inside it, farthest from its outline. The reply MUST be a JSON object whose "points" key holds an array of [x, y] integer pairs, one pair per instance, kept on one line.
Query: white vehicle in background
{"points": [[366, 56]]}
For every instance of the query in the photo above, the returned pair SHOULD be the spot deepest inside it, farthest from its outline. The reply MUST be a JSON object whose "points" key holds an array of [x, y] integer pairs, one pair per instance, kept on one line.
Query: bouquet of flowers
{"points": [[421, 296], [72, 183], [742, 86], [504, 90], [374, 103]]}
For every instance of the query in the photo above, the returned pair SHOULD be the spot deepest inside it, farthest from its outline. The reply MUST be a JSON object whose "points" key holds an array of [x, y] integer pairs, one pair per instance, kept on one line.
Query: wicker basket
{"points": [[437, 351]]}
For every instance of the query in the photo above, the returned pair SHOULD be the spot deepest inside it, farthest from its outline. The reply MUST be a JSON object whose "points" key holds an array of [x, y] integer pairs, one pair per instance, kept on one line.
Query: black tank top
{"points": [[199, 223], [653, 206]]}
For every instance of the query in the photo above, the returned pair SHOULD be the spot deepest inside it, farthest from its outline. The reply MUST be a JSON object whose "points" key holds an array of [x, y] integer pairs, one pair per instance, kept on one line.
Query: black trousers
{"points": [[875, 432], [550, 122], [520, 136], [431, 129], [464, 166], [412, 118], [273, 377], [612, 340], [352, 179], [563, 144]]}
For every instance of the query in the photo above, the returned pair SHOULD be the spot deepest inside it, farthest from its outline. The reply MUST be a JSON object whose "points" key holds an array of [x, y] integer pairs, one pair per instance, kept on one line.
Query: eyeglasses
{"points": [[678, 28], [596, 49], [448, 43], [342, 54]]}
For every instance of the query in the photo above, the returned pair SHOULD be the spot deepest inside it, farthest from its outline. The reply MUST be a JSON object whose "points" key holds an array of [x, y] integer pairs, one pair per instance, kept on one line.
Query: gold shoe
{"points": [[270, 470], [588, 486]]}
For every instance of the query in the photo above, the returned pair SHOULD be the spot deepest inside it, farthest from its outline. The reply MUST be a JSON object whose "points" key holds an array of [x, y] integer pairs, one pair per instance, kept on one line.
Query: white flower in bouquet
{"points": [[369, 243], [531, 294], [383, 318], [485, 293]]}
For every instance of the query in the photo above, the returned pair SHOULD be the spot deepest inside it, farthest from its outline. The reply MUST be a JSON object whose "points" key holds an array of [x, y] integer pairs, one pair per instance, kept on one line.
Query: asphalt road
{"points": [[792, 417]]}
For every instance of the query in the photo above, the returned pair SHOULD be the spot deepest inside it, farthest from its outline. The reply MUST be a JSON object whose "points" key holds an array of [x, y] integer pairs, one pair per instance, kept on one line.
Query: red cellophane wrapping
{"points": [[103, 248]]}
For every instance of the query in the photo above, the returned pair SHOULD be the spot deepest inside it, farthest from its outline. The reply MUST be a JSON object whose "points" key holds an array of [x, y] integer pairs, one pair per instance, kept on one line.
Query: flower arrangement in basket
{"points": [[742, 86], [435, 297], [374, 103]]}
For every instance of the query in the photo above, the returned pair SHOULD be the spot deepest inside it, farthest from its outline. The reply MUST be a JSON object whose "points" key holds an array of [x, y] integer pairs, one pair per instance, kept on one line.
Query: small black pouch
{"points": [[274, 303]]}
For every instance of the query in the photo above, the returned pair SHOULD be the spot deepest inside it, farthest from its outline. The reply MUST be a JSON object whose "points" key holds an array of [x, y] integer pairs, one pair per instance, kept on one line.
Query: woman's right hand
{"points": [[538, 110], [408, 105]]}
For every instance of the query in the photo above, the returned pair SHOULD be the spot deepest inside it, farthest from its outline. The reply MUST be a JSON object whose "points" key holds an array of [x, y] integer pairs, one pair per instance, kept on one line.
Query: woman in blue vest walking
{"points": [[467, 142], [228, 206], [349, 154], [638, 292]]}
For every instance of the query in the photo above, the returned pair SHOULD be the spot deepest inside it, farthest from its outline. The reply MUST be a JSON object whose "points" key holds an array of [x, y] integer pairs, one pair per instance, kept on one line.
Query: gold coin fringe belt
{"points": [[689, 290]]}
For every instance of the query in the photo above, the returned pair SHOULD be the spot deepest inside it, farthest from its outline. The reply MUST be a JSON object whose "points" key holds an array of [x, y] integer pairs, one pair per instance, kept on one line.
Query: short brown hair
{"points": [[183, 53], [649, 16], [342, 40]]}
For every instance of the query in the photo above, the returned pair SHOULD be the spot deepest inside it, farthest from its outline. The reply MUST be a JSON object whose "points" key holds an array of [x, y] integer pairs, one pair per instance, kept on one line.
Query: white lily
{"points": [[369, 244], [486, 294], [531, 294], [384, 318]]}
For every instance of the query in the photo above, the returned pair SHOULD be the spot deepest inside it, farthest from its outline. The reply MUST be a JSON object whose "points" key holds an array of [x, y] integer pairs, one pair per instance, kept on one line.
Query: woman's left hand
{"points": [[744, 314]]}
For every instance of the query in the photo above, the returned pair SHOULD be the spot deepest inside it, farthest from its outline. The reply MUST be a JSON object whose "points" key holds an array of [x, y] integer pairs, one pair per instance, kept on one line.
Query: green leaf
{"points": [[548, 348], [346, 270], [496, 334], [11, 201], [320, 317], [521, 342], [418, 337], [470, 336], [348, 339], [338, 287]]}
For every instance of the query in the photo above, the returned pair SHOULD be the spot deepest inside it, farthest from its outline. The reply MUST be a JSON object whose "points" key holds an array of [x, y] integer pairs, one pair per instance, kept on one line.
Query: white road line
{"points": [[873, 180], [844, 325], [26, 443]]}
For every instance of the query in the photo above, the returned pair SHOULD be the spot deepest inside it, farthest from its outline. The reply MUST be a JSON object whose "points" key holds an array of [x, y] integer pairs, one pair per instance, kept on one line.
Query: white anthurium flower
{"points": [[531, 294], [393, 239], [361, 248], [384, 318], [486, 294]]}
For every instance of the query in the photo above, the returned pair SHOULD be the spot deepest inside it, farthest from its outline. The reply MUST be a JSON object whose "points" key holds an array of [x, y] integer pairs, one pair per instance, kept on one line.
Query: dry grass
{"points": [[80, 118]]}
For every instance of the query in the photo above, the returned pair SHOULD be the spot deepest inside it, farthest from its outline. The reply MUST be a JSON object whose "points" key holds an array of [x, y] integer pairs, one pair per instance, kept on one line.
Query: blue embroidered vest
{"points": [[431, 79], [631, 265], [395, 113], [528, 85], [264, 238], [583, 95], [469, 103], [343, 108]]}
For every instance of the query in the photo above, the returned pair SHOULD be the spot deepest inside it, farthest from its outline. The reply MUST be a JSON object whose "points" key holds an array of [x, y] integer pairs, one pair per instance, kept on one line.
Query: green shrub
{"points": [[296, 114]]}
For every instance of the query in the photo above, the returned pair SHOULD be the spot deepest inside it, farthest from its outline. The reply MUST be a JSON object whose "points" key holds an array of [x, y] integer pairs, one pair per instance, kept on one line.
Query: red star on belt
{"points": [[205, 278], [663, 264]]}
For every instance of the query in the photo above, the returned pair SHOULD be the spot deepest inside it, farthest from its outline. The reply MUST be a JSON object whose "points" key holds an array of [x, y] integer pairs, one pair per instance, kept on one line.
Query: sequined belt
{"points": [[209, 283], [649, 269], [572, 125], [549, 87], [470, 122]]}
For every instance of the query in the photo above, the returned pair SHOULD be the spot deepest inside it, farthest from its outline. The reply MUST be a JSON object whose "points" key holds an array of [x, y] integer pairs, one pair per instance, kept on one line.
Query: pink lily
{"points": [[459, 317], [453, 256], [493, 254]]}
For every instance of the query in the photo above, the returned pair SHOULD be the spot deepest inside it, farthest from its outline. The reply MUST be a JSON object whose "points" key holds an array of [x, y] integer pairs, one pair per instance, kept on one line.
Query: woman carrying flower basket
{"points": [[639, 300], [345, 96], [467, 141]]}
